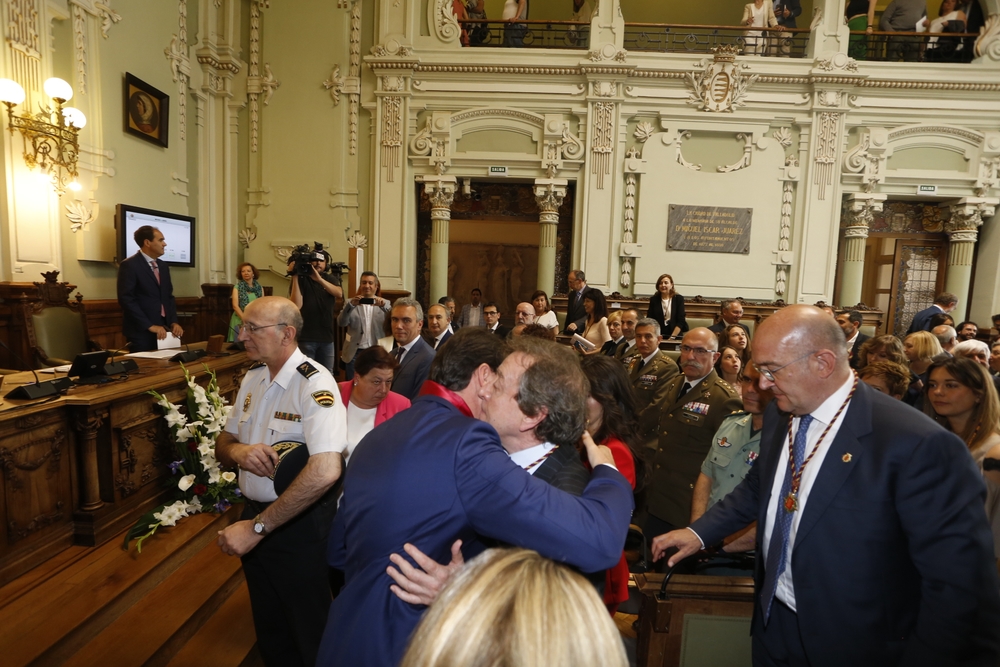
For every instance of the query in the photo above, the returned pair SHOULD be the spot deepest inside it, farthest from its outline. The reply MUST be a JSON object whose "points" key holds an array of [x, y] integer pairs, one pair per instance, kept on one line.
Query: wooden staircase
{"points": [[180, 602]]}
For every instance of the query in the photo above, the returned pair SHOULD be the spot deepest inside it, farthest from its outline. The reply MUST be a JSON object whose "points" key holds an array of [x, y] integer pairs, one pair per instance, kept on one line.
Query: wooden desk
{"points": [[83, 467]]}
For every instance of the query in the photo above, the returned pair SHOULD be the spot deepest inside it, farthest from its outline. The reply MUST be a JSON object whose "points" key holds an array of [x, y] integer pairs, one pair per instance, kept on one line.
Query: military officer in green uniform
{"points": [[734, 451], [650, 371], [695, 405]]}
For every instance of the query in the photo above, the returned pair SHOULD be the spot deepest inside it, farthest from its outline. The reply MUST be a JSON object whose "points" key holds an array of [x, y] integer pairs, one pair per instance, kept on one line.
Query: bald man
{"points": [[524, 314], [873, 545], [282, 538]]}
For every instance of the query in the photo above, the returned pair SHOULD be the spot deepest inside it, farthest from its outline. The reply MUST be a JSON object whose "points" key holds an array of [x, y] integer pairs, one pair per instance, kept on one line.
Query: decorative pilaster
{"points": [[441, 193], [860, 209], [87, 425], [628, 251], [549, 193], [963, 232]]}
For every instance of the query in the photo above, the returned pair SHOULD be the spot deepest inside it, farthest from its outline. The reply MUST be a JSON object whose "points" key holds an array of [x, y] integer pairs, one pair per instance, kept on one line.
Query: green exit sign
{"points": [[498, 171], [927, 189]]}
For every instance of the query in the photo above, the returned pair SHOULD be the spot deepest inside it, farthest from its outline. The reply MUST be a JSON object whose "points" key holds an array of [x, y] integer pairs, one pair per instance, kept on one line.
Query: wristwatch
{"points": [[258, 526]]}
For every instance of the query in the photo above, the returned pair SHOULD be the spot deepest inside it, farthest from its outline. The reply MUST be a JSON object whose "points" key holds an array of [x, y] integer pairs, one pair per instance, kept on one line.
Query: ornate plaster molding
{"points": [[602, 146], [827, 149], [681, 136], [869, 157], [608, 52], [837, 62], [391, 126], [643, 131], [247, 236], [744, 160], [80, 9], [357, 239], [254, 79], [783, 135], [721, 84], [335, 84], [783, 255], [80, 216], [353, 83], [180, 65], [988, 42], [442, 20]]}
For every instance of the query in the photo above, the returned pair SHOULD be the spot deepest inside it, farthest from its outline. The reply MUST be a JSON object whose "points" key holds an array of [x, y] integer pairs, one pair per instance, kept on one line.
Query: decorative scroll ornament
{"points": [[442, 19], [335, 84], [817, 17], [608, 52], [868, 158], [268, 84], [643, 131], [783, 136], [434, 141], [744, 160], [989, 170], [180, 65], [680, 156], [559, 144], [80, 216], [357, 240], [988, 42], [721, 85], [247, 236], [80, 10], [108, 16]]}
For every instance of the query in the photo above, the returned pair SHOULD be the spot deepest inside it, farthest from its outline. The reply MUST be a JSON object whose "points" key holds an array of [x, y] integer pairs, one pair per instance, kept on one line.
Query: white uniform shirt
{"points": [[302, 404]]}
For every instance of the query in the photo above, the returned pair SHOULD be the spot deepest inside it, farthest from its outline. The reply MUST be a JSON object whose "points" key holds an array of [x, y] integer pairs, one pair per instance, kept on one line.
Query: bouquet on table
{"points": [[202, 486]]}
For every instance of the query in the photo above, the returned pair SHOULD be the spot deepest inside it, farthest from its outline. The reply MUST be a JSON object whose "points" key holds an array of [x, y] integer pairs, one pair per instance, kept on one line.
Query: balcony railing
{"points": [[528, 34], [682, 38], [949, 47]]}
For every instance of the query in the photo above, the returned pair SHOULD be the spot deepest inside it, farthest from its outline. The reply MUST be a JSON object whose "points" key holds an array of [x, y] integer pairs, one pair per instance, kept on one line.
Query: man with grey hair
{"points": [[538, 408], [411, 351], [694, 405], [948, 337], [732, 311], [282, 538], [650, 370]]}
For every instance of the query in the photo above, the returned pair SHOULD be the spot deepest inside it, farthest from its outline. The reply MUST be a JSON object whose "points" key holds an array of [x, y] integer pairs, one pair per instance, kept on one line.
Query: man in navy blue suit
{"points": [[145, 293], [943, 303], [435, 473], [873, 544], [410, 349]]}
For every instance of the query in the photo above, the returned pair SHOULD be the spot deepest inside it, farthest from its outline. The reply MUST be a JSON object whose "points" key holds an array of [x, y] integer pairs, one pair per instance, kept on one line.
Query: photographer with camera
{"points": [[364, 317], [315, 290]]}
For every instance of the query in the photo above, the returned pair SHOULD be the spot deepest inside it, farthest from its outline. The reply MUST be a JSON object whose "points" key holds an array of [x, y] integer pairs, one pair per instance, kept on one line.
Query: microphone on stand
{"points": [[120, 367], [39, 389], [188, 355]]}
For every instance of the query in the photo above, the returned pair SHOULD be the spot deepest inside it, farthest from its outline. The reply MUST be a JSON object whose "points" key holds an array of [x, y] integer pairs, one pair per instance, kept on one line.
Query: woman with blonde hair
{"points": [[512, 607], [961, 397], [920, 348]]}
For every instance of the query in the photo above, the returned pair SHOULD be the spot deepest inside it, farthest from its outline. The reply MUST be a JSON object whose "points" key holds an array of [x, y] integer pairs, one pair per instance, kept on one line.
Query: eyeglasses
{"points": [[769, 374], [490, 312], [253, 328], [697, 351]]}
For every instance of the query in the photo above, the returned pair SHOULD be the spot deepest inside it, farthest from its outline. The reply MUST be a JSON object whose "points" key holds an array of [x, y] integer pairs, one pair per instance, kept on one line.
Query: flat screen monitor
{"points": [[178, 231]]}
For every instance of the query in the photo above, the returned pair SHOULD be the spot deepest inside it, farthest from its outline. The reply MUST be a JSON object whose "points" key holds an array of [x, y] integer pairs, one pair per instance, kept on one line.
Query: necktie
{"points": [[777, 551], [156, 274], [399, 353], [684, 389]]}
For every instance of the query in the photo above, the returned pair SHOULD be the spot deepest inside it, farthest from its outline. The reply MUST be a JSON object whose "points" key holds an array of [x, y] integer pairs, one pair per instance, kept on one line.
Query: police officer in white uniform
{"points": [[282, 540]]}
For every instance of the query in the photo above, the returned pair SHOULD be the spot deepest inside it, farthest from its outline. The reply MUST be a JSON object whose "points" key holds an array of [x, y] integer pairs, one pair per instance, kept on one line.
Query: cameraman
{"points": [[316, 294]]}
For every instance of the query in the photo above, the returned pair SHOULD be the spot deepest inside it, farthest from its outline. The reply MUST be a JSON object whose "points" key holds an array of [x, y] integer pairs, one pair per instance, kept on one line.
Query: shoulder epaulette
{"points": [[307, 369]]}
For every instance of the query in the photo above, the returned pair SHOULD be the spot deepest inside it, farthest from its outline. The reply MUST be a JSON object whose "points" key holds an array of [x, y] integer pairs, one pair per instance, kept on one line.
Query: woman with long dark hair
{"points": [[667, 308], [596, 330], [611, 421], [961, 397]]}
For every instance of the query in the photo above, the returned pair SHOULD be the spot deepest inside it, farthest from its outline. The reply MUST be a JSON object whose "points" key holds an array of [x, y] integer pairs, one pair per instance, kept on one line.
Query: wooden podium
{"points": [[83, 467], [703, 621]]}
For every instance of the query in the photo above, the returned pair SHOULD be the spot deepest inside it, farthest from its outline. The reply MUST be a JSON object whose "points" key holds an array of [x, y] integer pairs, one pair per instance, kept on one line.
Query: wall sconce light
{"points": [[50, 136]]}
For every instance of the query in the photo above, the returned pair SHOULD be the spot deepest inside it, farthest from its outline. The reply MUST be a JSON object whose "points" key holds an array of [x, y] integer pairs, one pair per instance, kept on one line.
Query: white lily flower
{"points": [[214, 474], [206, 447], [229, 476], [185, 482], [208, 462], [195, 505], [175, 418]]}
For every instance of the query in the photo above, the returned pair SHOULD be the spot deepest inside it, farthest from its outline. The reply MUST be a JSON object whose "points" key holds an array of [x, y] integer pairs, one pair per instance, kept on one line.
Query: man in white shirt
{"points": [[364, 317], [285, 398], [873, 546], [472, 313]]}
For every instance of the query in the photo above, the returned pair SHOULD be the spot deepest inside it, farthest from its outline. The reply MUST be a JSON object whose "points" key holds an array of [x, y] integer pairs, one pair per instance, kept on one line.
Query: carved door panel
{"points": [[37, 486]]}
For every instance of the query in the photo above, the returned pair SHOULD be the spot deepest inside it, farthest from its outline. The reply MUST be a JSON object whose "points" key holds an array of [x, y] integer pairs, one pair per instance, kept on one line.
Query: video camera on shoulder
{"points": [[303, 256]]}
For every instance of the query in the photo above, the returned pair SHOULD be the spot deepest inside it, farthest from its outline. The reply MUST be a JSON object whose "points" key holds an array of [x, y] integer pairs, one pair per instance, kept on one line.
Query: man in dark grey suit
{"points": [[576, 316], [872, 539], [411, 351]]}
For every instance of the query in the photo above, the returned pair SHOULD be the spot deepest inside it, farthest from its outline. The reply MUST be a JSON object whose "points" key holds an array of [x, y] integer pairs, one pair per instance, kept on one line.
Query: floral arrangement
{"points": [[202, 484]]}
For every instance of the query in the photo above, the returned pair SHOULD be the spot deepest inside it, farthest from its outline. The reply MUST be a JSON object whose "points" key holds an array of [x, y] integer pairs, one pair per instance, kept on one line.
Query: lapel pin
{"points": [[846, 458]]}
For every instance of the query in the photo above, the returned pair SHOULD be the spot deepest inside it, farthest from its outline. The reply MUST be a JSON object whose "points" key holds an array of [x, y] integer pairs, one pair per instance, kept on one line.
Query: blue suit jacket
{"points": [[429, 476], [922, 320], [893, 559], [413, 370], [140, 298]]}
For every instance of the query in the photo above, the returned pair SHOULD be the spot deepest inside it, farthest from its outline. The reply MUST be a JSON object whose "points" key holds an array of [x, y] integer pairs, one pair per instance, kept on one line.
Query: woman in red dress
{"points": [[611, 422]]}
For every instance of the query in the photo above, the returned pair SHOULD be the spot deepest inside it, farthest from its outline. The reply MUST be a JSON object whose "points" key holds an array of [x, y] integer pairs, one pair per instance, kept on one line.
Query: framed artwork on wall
{"points": [[146, 112]]}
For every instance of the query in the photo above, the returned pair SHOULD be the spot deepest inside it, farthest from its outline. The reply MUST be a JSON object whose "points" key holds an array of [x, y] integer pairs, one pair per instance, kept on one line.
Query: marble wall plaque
{"points": [[709, 228]]}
